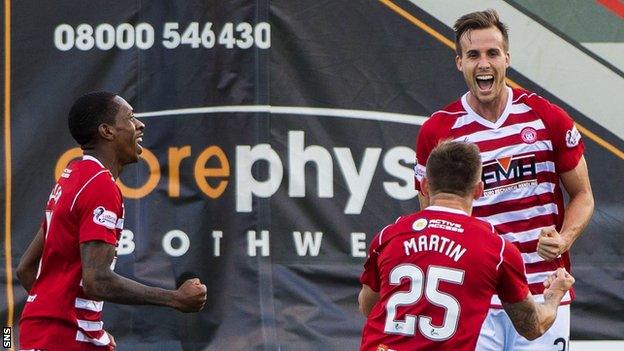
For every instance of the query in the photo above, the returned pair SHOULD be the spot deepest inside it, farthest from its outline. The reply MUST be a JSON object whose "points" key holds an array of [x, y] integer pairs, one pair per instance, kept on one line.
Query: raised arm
{"points": [[100, 282], [29, 262], [532, 319]]}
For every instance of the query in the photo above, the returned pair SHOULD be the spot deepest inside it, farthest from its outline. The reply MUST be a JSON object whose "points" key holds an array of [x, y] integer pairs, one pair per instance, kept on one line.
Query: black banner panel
{"points": [[279, 139]]}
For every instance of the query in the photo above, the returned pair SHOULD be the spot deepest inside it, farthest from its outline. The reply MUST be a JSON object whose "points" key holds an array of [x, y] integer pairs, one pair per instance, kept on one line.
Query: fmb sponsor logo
{"points": [[504, 170]]}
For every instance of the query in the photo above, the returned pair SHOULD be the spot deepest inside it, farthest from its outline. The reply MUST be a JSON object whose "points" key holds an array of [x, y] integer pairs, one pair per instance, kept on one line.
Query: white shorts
{"points": [[498, 334]]}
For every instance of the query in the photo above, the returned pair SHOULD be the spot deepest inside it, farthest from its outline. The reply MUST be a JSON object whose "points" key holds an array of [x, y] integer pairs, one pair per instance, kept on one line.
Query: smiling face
{"points": [[483, 62], [128, 133]]}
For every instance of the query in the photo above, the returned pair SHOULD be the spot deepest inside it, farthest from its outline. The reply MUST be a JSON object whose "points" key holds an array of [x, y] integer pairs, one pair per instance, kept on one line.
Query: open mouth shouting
{"points": [[139, 140], [485, 83]]}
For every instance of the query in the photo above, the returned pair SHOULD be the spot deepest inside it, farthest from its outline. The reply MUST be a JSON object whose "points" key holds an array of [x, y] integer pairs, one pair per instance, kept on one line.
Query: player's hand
{"points": [[190, 296], [112, 345], [560, 280], [551, 244]]}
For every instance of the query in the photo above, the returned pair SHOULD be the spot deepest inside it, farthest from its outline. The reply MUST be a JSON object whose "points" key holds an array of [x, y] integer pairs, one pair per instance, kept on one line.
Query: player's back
{"points": [[438, 270]]}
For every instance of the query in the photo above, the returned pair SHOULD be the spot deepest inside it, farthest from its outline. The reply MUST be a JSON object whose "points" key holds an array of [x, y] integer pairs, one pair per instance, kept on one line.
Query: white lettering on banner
{"points": [[217, 235], [307, 245], [298, 157], [211, 173], [358, 244], [392, 165], [358, 181], [125, 245], [124, 36], [177, 243], [253, 243], [167, 243], [246, 184]]}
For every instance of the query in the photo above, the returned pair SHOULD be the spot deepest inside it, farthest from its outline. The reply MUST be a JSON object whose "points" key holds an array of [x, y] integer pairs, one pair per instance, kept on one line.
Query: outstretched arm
{"points": [[100, 282], [29, 263], [531, 319]]}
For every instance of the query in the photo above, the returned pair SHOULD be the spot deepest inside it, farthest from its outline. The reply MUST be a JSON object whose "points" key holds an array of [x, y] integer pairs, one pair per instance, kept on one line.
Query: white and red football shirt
{"points": [[85, 205], [436, 271], [522, 153]]}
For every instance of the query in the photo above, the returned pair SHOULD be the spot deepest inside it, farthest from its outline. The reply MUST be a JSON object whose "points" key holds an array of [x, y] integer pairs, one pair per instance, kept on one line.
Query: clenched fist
{"points": [[560, 280], [190, 296], [551, 244]]}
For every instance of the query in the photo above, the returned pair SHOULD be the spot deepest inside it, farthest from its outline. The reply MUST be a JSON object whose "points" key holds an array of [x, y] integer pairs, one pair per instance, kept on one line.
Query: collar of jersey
{"points": [[91, 158], [481, 120], [446, 209]]}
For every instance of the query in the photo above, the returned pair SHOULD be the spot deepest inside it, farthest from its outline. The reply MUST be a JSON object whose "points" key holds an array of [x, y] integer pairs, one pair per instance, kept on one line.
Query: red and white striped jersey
{"points": [[85, 205], [436, 271], [523, 153]]}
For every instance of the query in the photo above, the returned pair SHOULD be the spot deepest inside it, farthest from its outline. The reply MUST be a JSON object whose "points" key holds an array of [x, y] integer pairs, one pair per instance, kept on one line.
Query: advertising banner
{"points": [[279, 139]]}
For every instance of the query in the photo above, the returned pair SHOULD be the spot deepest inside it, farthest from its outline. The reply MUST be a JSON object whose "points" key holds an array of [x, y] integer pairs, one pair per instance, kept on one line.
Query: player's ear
{"points": [[478, 190], [424, 187], [106, 131], [458, 61]]}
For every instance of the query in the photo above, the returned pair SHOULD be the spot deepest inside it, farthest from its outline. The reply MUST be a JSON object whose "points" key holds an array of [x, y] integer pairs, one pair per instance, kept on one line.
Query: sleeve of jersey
{"points": [[512, 284], [567, 142], [370, 276], [98, 208], [424, 145]]}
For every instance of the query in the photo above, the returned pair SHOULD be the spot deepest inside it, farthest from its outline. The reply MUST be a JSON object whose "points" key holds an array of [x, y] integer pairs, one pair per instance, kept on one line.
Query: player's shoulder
{"points": [[519, 96], [448, 114], [543, 107], [483, 226], [403, 224], [89, 170]]}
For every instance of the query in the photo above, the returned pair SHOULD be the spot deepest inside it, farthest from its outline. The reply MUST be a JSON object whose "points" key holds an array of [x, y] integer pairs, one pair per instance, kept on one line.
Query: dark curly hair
{"points": [[88, 112]]}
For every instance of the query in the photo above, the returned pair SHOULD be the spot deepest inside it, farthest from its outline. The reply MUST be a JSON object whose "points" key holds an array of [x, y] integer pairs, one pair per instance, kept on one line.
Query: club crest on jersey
{"points": [[420, 224], [104, 217], [573, 137], [528, 135]]}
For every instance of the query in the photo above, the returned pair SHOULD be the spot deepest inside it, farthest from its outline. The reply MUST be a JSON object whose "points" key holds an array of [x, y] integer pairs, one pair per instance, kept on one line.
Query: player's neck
{"points": [[107, 159], [451, 201], [492, 110]]}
